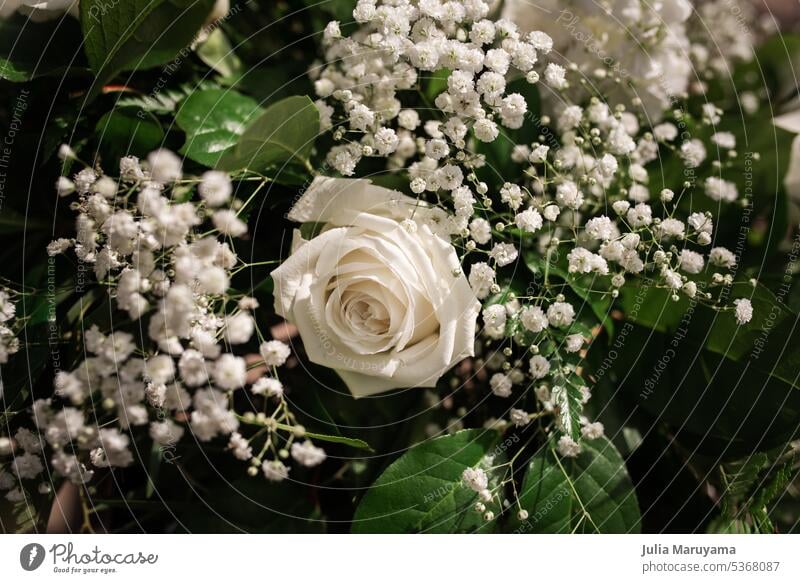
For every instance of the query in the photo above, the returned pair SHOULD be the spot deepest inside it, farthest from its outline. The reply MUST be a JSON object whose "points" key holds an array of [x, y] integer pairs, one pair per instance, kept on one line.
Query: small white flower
{"points": [[238, 328], [533, 319], [494, 317], [58, 246], [475, 479], [486, 130], [539, 367], [744, 310], [500, 384], [274, 352], [555, 76], [539, 154], [274, 471], [229, 372], [600, 228], [722, 257], [241, 448], [724, 140], [228, 223], [165, 166], [519, 417], [361, 117], [504, 254], [307, 454], [84, 180], [215, 188], [690, 261], [64, 186], [721, 190], [529, 220], [449, 177], [701, 223], [332, 30], [693, 153], [560, 314], [268, 387], [386, 141], [480, 230], [511, 194], [65, 152], [567, 447], [551, 212], [574, 342], [593, 430], [672, 279], [665, 132], [481, 279], [166, 432], [408, 119], [540, 41]]}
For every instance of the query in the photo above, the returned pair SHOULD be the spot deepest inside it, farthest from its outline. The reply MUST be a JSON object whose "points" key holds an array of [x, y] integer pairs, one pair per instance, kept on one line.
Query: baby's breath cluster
{"points": [[586, 220], [400, 45], [175, 360], [635, 52], [9, 326]]}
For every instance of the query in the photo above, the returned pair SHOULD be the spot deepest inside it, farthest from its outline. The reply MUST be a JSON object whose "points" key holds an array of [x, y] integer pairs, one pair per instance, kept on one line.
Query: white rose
{"points": [[376, 296]]}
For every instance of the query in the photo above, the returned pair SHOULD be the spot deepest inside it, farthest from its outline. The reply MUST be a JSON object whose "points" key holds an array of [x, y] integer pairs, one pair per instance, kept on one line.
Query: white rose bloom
{"points": [[376, 297]]}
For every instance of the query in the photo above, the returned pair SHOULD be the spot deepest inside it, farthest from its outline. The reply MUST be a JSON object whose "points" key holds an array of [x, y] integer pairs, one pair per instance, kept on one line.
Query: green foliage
{"points": [[214, 120], [217, 52], [284, 133], [422, 491], [32, 49], [748, 487], [126, 130], [716, 381], [138, 34], [590, 493]]}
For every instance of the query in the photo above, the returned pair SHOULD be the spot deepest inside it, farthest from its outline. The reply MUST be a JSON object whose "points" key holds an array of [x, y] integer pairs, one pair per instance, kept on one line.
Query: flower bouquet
{"points": [[395, 266]]}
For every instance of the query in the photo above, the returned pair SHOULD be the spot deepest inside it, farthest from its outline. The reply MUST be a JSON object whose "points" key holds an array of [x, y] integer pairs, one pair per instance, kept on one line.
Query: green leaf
{"points": [[138, 34], [713, 404], [422, 491], [285, 132], [567, 397], [352, 442], [589, 493], [770, 341], [124, 131], [217, 52], [31, 49], [214, 120], [165, 101]]}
